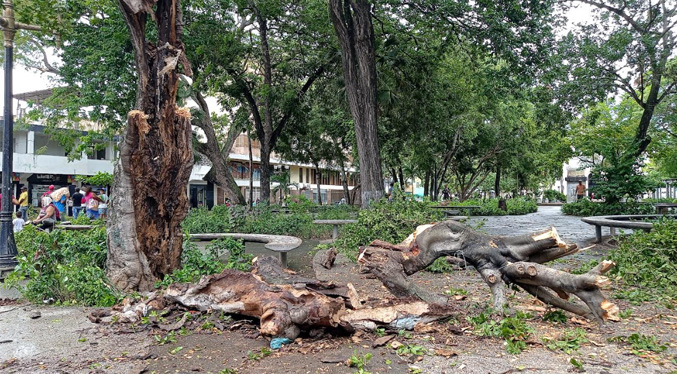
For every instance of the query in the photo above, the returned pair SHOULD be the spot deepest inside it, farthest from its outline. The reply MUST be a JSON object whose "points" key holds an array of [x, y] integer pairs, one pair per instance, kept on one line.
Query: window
{"points": [[300, 175]]}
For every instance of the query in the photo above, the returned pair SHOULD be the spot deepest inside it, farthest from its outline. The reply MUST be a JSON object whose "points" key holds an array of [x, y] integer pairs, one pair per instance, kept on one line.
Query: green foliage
{"points": [[265, 352], [388, 221], [166, 339], [646, 264], [641, 343], [568, 341], [455, 292], [489, 207], [411, 349], [586, 208], [440, 265], [556, 316], [203, 220], [64, 265], [514, 329], [359, 361], [196, 263], [553, 195], [99, 179], [578, 365], [605, 140]]}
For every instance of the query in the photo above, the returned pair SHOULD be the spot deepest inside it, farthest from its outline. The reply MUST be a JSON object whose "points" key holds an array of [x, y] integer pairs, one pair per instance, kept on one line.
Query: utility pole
{"points": [[8, 250]]}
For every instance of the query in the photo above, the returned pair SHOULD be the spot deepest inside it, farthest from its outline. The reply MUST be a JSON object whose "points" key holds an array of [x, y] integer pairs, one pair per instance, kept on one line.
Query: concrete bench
{"points": [[467, 209], [276, 243], [336, 223], [621, 221]]}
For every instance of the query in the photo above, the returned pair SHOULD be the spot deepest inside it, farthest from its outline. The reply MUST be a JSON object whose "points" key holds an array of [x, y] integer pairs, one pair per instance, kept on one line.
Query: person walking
{"points": [[77, 203], [580, 191], [23, 203], [103, 206], [91, 203]]}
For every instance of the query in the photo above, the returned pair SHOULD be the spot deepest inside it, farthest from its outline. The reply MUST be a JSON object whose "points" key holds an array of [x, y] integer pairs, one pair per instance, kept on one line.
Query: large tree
{"points": [[352, 21], [149, 198], [266, 55], [626, 49]]}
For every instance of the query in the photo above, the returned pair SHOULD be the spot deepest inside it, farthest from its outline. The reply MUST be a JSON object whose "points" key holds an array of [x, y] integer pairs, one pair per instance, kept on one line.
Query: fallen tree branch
{"points": [[499, 260]]}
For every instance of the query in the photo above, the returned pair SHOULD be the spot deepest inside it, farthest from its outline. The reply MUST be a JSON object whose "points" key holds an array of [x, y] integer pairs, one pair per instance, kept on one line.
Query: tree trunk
{"points": [[344, 182], [426, 184], [219, 173], [286, 304], [149, 198], [251, 171], [352, 21], [497, 182], [515, 260], [318, 177], [401, 177]]}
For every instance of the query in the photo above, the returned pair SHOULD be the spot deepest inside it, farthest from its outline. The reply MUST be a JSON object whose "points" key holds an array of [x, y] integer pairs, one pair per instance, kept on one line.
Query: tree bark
{"points": [[318, 177], [149, 198], [497, 182], [220, 173], [426, 184], [499, 260], [251, 171], [344, 183], [352, 21], [286, 304]]}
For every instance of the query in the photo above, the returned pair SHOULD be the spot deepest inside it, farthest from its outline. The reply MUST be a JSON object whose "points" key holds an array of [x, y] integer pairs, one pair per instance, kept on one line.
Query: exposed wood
{"points": [[499, 260], [148, 199], [327, 258]]}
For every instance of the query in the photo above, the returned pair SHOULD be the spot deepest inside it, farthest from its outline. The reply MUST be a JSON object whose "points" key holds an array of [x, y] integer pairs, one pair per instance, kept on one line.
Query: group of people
{"points": [[54, 204]]}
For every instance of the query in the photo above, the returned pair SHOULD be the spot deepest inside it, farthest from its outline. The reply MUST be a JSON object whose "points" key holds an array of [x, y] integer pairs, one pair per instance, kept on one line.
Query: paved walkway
{"points": [[570, 228]]}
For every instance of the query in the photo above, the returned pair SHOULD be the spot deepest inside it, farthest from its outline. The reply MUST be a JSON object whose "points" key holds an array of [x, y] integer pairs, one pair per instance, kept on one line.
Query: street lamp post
{"points": [[7, 245], [8, 250]]}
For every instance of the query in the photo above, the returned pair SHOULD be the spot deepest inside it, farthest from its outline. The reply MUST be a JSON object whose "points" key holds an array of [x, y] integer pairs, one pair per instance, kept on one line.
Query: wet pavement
{"points": [[570, 228]]}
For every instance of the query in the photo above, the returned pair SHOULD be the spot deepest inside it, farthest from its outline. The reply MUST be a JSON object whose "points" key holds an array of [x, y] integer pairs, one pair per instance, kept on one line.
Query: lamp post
{"points": [[7, 245]]}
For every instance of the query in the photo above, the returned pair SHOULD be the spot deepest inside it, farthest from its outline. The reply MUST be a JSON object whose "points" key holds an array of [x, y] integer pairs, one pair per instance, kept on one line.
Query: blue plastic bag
{"points": [[277, 343]]}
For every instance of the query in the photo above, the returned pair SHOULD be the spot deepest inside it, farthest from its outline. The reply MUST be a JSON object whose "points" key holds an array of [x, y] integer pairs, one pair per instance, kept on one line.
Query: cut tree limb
{"points": [[287, 309], [499, 260]]}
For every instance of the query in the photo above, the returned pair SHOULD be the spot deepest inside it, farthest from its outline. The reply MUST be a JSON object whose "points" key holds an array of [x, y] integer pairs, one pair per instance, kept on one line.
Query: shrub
{"points": [[646, 263], [489, 207], [388, 221], [203, 220], [196, 263], [66, 266], [553, 195], [586, 207]]}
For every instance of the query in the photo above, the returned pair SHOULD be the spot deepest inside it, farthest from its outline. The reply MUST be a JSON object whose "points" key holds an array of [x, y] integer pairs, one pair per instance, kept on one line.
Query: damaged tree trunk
{"points": [[499, 260], [285, 303], [149, 194]]}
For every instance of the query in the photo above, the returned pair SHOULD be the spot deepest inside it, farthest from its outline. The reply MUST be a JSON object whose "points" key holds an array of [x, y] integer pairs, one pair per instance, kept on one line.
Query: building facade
{"points": [[40, 162]]}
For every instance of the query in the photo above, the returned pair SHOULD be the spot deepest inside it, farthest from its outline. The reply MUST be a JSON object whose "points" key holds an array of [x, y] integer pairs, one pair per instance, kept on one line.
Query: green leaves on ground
{"points": [[513, 329], [196, 263], [66, 266], [568, 341], [646, 264]]}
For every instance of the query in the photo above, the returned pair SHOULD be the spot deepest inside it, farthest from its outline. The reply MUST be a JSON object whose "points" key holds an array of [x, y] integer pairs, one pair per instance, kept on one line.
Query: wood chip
{"points": [[382, 341], [395, 344], [445, 352]]}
